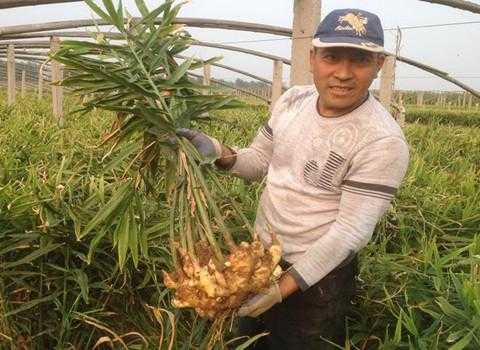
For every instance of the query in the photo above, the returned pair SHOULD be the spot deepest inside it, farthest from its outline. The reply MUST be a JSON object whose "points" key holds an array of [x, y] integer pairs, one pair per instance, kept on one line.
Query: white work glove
{"points": [[261, 302], [208, 147]]}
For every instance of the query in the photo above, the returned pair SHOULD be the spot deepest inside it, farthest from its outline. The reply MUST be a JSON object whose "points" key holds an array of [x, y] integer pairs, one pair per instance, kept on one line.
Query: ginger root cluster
{"points": [[212, 290]]}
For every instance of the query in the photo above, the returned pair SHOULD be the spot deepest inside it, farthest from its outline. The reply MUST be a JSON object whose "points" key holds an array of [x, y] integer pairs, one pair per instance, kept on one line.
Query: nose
{"points": [[344, 70]]}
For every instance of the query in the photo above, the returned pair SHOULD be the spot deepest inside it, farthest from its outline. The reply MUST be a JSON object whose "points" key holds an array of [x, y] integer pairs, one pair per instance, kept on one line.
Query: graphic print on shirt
{"points": [[322, 178], [343, 139]]}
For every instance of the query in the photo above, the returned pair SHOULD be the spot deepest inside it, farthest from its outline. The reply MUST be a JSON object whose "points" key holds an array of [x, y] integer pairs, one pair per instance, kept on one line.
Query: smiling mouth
{"points": [[341, 90]]}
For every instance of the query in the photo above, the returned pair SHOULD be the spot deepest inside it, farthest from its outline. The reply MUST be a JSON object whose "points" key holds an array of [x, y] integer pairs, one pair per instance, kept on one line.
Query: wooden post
{"points": [[401, 111], [276, 82], [387, 81], [57, 91], [207, 74], [40, 83], [23, 84], [470, 100], [11, 74], [306, 17], [420, 96]]}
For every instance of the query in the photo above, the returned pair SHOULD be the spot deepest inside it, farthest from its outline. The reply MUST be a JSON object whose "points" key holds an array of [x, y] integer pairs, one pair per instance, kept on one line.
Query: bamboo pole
{"points": [[41, 44], [11, 75], [240, 49], [459, 4], [24, 52], [190, 22], [5, 4], [438, 73], [277, 82], [26, 58], [57, 91]]}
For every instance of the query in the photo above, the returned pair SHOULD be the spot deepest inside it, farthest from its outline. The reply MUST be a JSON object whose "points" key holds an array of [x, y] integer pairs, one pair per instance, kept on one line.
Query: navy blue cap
{"points": [[350, 28]]}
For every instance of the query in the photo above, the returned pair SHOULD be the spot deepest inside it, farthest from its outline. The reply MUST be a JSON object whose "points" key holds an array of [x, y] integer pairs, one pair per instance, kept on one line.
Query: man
{"points": [[333, 158]]}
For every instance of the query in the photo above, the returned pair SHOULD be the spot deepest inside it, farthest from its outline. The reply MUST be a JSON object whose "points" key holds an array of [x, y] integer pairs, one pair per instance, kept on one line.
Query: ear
{"points": [[380, 61], [312, 59]]}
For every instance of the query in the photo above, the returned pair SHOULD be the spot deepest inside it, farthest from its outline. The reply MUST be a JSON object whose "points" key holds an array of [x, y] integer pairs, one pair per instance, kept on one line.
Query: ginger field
{"points": [[419, 282]]}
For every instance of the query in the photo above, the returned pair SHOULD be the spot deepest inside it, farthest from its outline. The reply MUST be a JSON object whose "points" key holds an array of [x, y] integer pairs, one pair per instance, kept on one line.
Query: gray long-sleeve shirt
{"points": [[328, 180]]}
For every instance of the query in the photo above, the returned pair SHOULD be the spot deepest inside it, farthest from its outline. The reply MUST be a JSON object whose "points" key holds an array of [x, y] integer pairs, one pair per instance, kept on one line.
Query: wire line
{"points": [[387, 29]]}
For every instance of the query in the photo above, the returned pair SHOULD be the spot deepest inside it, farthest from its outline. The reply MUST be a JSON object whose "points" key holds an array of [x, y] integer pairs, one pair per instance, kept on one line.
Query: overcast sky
{"points": [[453, 49]]}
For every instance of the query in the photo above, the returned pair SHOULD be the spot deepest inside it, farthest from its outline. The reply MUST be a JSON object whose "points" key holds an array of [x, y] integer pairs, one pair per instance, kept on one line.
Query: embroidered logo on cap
{"points": [[354, 22]]}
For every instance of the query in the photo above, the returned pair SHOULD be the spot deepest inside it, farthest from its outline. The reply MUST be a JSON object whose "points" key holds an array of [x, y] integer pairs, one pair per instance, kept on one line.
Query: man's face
{"points": [[342, 77]]}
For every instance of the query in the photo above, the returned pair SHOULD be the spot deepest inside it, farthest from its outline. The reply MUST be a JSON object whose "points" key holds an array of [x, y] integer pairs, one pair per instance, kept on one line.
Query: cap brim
{"points": [[348, 42]]}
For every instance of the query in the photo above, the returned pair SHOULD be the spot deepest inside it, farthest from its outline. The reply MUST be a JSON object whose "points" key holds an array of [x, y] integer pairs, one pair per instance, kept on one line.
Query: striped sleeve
{"points": [[267, 131], [369, 189]]}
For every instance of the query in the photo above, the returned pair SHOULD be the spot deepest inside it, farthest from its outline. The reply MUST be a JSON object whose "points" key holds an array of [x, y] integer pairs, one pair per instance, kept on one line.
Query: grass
{"points": [[419, 280], [437, 115]]}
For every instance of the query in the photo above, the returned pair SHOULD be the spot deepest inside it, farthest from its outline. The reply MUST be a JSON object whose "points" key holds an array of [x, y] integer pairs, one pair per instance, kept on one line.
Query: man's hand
{"points": [[209, 148], [258, 304]]}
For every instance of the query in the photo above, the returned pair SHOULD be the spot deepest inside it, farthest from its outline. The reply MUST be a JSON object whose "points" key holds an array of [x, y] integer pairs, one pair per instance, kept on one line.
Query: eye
{"points": [[362, 59], [330, 57]]}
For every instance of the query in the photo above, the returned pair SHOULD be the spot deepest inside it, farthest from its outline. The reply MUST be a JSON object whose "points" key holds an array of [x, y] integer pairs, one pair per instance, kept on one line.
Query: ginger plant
{"points": [[134, 73]]}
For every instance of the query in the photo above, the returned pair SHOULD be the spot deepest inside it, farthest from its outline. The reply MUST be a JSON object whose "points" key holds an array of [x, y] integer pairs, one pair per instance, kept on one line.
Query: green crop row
{"points": [[419, 283], [444, 116]]}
